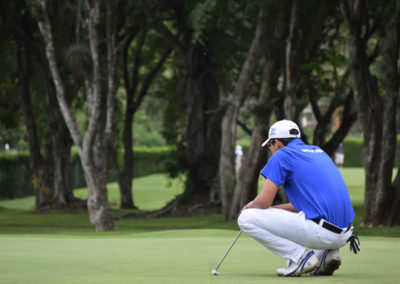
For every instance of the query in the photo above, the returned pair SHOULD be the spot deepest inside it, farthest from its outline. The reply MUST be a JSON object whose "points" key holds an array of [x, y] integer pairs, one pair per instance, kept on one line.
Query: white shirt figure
{"points": [[339, 156], [239, 156]]}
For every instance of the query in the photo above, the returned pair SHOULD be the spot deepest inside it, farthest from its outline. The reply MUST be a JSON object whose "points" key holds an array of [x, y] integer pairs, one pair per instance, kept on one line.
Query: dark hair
{"points": [[286, 141]]}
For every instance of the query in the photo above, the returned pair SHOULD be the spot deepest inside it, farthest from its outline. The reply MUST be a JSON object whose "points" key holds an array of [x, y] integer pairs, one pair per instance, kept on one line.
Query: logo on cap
{"points": [[273, 132]]}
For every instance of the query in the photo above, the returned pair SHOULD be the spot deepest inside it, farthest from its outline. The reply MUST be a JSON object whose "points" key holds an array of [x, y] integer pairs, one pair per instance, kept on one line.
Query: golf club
{"points": [[215, 271]]}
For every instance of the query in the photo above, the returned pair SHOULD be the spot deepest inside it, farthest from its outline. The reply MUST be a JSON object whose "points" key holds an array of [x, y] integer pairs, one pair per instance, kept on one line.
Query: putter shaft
{"points": [[233, 242]]}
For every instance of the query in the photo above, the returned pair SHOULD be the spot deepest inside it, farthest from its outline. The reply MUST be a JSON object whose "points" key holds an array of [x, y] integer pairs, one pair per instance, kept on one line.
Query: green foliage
{"points": [[353, 152], [15, 175], [200, 16], [147, 124], [78, 58], [142, 136], [150, 160]]}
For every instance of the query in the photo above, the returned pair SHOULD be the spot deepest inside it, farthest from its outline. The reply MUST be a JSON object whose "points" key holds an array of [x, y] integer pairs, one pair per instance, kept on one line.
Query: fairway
{"points": [[177, 256]]}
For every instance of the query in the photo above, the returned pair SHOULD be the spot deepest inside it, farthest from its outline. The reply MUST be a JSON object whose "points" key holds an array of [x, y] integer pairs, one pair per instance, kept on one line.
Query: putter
{"points": [[215, 271]]}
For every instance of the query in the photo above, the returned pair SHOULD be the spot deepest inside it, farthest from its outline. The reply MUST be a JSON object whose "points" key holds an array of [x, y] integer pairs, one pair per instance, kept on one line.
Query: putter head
{"points": [[215, 272]]}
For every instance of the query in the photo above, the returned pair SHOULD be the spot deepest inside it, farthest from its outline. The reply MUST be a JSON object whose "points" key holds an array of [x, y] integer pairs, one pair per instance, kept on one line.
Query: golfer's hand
{"points": [[247, 206]]}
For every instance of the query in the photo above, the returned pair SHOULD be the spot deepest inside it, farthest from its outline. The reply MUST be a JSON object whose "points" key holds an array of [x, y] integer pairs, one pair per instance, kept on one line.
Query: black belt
{"points": [[330, 226]]}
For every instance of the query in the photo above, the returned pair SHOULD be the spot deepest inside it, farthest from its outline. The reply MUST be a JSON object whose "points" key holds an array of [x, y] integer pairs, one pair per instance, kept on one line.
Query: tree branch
{"points": [[149, 78], [45, 29], [92, 21], [244, 127], [111, 66], [137, 60]]}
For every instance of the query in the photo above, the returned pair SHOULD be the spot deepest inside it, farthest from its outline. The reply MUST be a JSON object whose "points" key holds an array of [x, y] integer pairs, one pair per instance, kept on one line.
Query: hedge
{"points": [[16, 179], [15, 175], [353, 152]]}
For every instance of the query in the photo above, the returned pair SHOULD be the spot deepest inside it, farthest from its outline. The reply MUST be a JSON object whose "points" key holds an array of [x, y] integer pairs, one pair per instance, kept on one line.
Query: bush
{"points": [[353, 152], [353, 156], [15, 175]]}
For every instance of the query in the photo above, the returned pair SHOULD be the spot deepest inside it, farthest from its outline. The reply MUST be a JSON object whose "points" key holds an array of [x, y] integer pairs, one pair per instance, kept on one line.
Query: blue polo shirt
{"points": [[312, 182]]}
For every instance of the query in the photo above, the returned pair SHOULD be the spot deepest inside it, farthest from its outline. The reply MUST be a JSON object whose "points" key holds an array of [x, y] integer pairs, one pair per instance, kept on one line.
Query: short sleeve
{"points": [[278, 168]]}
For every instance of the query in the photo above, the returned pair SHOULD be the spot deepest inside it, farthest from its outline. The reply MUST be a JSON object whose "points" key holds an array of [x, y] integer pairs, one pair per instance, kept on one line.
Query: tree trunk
{"points": [[234, 102], [125, 179], [390, 55], [41, 174], [50, 168], [63, 196], [377, 113], [91, 150], [290, 104], [134, 98], [302, 44], [246, 187], [96, 180], [247, 183], [202, 132]]}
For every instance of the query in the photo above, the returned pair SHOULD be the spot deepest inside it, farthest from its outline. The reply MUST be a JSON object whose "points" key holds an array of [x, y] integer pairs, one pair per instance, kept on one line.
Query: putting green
{"points": [[176, 256]]}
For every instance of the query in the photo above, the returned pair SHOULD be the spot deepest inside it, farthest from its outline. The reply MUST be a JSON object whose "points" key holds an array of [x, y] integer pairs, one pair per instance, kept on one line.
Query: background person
{"points": [[319, 215], [238, 157], [339, 156]]}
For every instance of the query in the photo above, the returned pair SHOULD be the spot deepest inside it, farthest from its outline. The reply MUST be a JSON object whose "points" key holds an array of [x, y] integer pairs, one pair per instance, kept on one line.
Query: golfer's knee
{"points": [[245, 220]]}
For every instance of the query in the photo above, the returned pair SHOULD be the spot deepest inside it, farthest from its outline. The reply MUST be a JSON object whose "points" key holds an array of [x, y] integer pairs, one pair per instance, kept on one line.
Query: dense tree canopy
{"points": [[87, 73]]}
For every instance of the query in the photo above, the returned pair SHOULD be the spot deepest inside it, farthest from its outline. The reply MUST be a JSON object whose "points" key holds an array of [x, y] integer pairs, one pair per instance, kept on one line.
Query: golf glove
{"points": [[354, 243]]}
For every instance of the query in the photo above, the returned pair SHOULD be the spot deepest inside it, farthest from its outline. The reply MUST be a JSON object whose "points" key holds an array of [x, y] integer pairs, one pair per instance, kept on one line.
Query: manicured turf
{"points": [[61, 247], [177, 256]]}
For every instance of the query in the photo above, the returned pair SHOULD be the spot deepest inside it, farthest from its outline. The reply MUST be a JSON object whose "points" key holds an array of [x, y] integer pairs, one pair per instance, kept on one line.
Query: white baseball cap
{"points": [[282, 129]]}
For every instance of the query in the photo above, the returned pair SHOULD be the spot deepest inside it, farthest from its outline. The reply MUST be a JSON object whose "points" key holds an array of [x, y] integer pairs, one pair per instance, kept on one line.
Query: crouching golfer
{"points": [[319, 216]]}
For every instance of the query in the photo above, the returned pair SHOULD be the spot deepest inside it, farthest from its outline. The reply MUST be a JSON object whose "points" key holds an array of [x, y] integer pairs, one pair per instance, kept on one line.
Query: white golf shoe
{"points": [[329, 261], [307, 262]]}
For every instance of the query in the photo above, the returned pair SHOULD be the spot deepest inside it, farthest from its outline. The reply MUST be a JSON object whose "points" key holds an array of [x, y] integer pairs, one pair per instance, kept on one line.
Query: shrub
{"points": [[15, 174]]}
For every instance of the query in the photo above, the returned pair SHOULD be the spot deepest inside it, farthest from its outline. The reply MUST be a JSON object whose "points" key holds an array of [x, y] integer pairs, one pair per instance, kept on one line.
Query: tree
{"points": [[330, 84], [303, 65], [136, 85], [91, 147], [234, 102], [246, 187], [303, 41], [49, 149], [200, 144], [376, 106]]}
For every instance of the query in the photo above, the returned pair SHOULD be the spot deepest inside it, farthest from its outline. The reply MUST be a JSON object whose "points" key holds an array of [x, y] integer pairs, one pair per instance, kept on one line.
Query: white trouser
{"points": [[288, 234]]}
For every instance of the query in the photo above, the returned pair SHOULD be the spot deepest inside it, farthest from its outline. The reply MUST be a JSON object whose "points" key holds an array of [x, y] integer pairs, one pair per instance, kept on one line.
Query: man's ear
{"points": [[279, 144]]}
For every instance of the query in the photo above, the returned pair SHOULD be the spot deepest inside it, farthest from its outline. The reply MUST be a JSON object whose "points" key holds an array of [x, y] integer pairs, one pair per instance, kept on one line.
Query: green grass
{"points": [[175, 256], [61, 247], [149, 193]]}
